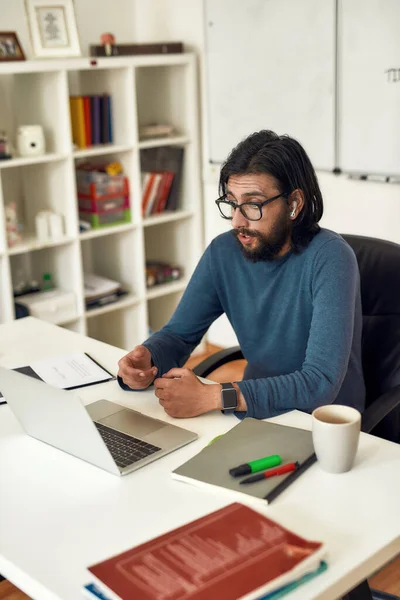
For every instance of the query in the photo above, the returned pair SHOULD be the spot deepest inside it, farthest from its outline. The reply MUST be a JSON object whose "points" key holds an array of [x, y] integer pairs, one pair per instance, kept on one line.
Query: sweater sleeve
{"points": [[199, 307], [335, 285]]}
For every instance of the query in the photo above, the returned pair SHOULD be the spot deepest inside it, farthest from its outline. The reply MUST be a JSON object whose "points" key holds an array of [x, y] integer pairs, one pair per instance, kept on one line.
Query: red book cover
{"points": [[164, 193], [88, 120], [154, 194], [148, 182], [228, 554]]}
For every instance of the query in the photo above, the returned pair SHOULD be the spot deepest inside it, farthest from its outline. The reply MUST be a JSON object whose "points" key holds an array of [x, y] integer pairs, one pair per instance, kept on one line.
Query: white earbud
{"points": [[293, 212]]}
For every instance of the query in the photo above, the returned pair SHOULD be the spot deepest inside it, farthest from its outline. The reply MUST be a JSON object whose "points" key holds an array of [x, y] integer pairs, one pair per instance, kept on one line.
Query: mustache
{"points": [[244, 231]]}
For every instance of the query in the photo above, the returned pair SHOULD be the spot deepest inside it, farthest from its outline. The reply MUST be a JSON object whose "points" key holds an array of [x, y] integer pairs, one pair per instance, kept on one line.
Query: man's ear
{"points": [[296, 196]]}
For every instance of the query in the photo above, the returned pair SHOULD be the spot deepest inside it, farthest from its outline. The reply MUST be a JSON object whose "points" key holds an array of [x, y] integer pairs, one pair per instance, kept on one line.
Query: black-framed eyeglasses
{"points": [[252, 211]]}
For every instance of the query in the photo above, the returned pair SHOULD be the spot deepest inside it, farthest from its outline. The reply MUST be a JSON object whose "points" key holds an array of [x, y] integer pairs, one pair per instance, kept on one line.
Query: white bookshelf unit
{"points": [[144, 89]]}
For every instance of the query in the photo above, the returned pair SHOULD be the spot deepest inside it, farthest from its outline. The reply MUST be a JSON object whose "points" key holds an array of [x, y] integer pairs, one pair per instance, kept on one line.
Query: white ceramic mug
{"points": [[335, 433]]}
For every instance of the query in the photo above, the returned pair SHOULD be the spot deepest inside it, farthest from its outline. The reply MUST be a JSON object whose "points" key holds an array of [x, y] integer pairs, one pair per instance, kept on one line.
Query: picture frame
{"points": [[10, 47], [53, 28]]}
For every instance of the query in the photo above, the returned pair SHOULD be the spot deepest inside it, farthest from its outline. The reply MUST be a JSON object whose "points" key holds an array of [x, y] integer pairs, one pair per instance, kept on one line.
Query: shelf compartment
{"points": [[46, 106], [42, 186], [170, 242], [161, 98], [124, 302], [62, 262], [118, 83], [113, 257]]}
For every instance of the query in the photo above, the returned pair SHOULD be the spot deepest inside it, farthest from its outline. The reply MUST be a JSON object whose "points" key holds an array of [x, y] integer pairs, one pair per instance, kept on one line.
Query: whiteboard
{"points": [[369, 86], [271, 65]]}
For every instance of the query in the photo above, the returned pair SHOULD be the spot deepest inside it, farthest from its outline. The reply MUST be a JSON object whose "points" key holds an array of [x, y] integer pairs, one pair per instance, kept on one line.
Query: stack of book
{"points": [[91, 120], [161, 175], [161, 272], [156, 187], [230, 554], [100, 290]]}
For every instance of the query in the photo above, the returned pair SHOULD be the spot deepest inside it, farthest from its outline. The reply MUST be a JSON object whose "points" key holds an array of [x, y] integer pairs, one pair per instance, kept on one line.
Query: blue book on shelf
{"points": [[96, 119], [110, 127], [105, 119]]}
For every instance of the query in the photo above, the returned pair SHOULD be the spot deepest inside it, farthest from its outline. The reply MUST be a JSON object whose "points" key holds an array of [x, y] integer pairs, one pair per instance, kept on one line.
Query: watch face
{"points": [[229, 398]]}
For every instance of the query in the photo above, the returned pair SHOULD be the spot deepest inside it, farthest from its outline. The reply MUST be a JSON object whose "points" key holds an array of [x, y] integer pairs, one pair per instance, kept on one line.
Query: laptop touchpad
{"points": [[132, 423]]}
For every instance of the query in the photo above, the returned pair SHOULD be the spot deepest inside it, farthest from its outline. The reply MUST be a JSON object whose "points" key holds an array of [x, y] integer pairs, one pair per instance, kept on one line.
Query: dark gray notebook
{"points": [[250, 440]]}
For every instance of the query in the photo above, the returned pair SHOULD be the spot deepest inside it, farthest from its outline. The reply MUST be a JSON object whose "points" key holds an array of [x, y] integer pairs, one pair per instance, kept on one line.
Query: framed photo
{"points": [[53, 29], [10, 48]]}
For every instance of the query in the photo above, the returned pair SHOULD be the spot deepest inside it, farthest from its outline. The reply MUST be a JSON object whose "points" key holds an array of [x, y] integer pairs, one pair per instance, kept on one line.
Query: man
{"points": [[289, 288]]}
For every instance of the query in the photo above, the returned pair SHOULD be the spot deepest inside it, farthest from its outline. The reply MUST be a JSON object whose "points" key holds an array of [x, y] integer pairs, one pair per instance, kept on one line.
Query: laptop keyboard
{"points": [[125, 449]]}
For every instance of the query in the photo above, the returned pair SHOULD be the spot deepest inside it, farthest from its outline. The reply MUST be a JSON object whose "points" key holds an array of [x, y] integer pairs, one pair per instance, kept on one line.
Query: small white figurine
{"points": [[12, 229]]}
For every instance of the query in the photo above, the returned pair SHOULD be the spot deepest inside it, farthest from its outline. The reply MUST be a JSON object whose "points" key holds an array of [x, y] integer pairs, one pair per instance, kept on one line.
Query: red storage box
{"points": [[96, 185], [103, 205]]}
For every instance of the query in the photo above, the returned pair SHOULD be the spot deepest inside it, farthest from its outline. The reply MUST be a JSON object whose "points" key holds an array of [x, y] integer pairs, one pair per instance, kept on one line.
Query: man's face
{"points": [[269, 237]]}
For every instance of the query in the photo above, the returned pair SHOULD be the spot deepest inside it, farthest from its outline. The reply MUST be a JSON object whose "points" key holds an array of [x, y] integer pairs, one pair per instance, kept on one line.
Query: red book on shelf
{"points": [[155, 190], [147, 185], [165, 188], [232, 553]]}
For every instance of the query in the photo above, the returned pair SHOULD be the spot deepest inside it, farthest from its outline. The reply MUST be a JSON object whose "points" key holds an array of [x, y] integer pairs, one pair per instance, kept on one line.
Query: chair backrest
{"points": [[379, 265]]}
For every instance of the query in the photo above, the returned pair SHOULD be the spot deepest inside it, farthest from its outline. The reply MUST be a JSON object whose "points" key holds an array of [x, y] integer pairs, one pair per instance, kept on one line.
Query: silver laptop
{"points": [[110, 436]]}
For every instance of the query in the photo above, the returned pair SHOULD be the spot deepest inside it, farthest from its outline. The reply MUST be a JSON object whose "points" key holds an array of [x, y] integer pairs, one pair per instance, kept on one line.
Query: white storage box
{"points": [[55, 306]]}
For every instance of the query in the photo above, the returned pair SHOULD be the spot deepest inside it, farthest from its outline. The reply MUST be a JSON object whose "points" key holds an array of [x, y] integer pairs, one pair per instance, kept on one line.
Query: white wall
{"points": [[364, 208], [94, 17]]}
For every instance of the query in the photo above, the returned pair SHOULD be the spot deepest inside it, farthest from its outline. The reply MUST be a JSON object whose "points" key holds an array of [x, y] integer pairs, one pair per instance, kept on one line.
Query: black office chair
{"points": [[379, 265]]}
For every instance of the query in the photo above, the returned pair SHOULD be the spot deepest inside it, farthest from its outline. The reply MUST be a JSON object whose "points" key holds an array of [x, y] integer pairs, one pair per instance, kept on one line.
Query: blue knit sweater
{"points": [[297, 319]]}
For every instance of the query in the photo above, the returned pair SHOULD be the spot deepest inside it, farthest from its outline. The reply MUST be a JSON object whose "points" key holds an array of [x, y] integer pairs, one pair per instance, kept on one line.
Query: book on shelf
{"points": [[156, 130], [133, 49], [156, 186], [232, 553], [248, 441], [158, 272], [77, 115], [87, 113], [165, 159], [91, 120], [95, 119], [99, 290]]}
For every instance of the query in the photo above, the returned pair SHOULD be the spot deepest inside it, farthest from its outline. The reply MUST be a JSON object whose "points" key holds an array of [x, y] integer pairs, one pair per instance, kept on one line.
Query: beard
{"points": [[269, 245]]}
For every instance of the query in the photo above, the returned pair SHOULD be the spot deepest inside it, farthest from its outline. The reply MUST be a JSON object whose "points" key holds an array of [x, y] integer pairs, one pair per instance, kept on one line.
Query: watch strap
{"points": [[230, 409]]}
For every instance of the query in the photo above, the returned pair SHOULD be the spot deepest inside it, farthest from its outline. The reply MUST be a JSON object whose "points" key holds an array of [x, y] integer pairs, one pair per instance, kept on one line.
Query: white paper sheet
{"points": [[68, 371]]}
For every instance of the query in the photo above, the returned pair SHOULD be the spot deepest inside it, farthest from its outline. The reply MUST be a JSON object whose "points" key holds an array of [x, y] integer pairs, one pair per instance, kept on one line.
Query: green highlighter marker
{"points": [[254, 466]]}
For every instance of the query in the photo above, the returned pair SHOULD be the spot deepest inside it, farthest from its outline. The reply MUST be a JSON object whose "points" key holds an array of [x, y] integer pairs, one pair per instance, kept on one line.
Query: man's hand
{"points": [[135, 368], [182, 395]]}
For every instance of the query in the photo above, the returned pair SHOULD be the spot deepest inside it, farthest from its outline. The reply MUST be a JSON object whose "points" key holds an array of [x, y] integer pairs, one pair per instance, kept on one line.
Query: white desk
{"points": [[58, 514]]}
